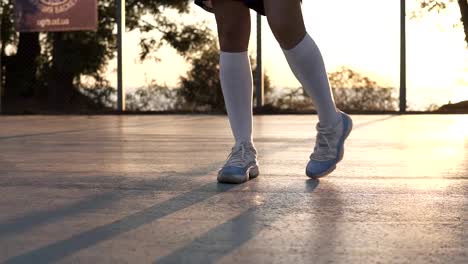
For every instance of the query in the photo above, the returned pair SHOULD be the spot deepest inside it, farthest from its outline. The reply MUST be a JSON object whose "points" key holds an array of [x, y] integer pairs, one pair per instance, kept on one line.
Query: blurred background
{"points": [[170, 57]]}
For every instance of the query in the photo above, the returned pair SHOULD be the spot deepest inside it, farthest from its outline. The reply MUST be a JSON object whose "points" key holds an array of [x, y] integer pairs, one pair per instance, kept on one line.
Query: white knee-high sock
{"points": [[236, 82], [306, 62]]}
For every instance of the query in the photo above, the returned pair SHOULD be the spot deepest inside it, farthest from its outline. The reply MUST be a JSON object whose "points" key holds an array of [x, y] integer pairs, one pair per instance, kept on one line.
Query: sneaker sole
{"points": [[252, 173], [340, 157]]}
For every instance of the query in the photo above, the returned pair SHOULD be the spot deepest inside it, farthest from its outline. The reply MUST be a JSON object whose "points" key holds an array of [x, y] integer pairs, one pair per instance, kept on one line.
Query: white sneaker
{"points": [[329, 147], [241, 164]]}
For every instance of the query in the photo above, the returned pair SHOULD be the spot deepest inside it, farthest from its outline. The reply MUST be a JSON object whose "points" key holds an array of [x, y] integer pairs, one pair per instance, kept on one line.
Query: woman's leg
{"points": [[233, 21], [305, 60], [303, 55]]}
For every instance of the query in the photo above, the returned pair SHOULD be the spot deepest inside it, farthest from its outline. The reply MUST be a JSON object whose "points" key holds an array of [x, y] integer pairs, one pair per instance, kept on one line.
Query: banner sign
{"points": [[55, 15]]}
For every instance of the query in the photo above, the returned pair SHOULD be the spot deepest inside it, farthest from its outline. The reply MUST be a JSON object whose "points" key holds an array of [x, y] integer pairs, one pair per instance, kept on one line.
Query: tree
{"points": [[67, 56], [154, 97], [352, 92], [438, 5], [27, 47], [201, 88], [356, 92]]}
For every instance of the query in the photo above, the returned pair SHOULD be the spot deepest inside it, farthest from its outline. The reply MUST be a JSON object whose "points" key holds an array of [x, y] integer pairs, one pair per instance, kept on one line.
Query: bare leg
{"points": [[233, 22], [286, 22]]}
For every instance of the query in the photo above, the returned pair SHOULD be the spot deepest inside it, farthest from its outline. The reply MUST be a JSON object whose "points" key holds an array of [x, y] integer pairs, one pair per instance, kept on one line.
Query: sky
{"points": [[360, 34]]}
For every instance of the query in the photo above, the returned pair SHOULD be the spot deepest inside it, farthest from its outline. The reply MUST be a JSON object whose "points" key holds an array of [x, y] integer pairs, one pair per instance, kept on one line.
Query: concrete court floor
{"points": [[142, 189]]}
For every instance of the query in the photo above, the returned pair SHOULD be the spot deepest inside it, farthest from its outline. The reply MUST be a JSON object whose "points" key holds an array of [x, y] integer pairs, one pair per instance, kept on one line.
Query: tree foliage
{"points": [[65, 57], [438, 5], [355, 92], [154, 97], [352, 91], [201, 87]]}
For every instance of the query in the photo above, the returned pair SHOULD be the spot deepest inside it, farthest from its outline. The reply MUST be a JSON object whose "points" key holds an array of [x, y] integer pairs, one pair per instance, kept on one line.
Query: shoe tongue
{"points": [[243, 144], [236, 148], [236, 157]]}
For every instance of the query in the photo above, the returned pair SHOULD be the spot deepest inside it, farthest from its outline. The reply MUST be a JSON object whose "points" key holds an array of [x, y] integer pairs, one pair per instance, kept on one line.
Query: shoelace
{"points": [[241, 154], [322, 144], [237, 156]]}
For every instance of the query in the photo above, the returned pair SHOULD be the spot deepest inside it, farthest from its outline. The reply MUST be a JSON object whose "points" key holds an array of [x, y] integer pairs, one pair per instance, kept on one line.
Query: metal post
{"points": [[1, 75], [120, 17], [1, 81], [1, 69], [259, 75], [403, 56]]}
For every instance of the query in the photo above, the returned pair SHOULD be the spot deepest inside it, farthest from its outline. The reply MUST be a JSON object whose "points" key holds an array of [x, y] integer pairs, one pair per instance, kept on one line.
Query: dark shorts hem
{"points": [[256, 5]]}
